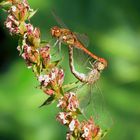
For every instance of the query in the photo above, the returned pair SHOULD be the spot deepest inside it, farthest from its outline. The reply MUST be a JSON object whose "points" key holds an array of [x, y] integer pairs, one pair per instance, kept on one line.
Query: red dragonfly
{"points": [[66, 36], [92, 76], [91, 99]]}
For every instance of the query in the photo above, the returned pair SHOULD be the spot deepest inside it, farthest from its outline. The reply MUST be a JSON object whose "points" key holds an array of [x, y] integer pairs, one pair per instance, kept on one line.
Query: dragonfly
{"points": [[66, 36], [91, 98], [91, 102], [92, 76]]}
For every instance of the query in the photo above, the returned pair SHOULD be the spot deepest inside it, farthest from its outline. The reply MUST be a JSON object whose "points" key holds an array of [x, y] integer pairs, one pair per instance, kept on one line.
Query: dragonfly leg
{"points": [[70, 85], [59, 46], [92, 63], [56, 43], [89, 68]]}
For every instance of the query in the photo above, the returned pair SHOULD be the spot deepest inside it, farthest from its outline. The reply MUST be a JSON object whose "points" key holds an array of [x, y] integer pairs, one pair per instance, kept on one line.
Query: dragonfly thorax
{"points": [[101, 66], [56, 31], [68, 39], [92, 76], [63, 35]]}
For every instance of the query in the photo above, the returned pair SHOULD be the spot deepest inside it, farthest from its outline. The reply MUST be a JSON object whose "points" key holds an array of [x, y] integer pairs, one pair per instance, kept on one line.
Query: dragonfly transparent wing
{"points": [[83, 38], [58, 20], [81, 57], [93, 104]]}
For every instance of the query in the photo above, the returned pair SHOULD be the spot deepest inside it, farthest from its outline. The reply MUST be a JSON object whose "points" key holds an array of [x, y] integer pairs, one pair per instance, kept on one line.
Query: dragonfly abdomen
{"points": [[90, 78]]}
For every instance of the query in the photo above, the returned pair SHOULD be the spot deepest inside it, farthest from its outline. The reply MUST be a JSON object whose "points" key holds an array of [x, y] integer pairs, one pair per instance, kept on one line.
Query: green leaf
{"points": [[48, 101], [56, 62], [44, 42], [22, 28], [61, 91], [32, 13], [104, 133], [20, 43], [5, 5], [36, 69], [78, 111], [72, 138]]}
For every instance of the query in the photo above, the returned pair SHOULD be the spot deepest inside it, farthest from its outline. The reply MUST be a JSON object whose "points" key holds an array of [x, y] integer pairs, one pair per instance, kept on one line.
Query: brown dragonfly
{"points": [[66, 36], [92, 76]]}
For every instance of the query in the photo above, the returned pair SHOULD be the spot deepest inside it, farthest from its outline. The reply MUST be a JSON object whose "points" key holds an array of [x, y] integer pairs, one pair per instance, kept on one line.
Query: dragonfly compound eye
{"points": [[103, 61], [55, 31], [100, 66]]}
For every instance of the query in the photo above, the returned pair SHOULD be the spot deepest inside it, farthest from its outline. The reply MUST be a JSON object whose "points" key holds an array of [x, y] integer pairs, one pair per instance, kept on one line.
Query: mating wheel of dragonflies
{"points": [[91, 101]]}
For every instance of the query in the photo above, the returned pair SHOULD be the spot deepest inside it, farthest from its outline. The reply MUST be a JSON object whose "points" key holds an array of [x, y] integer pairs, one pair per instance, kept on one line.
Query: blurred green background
{"points": [[113, 27]]}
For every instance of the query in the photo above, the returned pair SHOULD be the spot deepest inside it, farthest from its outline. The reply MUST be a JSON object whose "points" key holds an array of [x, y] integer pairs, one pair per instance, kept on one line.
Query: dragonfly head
{"points": [[99, 66], [103, 61], [56, 31]]}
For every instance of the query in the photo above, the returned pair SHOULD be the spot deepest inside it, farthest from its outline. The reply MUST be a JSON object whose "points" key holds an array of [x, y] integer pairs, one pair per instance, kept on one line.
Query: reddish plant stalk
{"points": [[49, 74]]}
